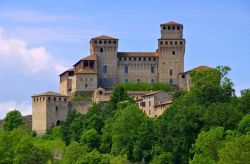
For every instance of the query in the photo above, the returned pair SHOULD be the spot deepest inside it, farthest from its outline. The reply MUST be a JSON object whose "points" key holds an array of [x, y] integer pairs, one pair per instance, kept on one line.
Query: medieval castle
{"points": [[105, 67]]}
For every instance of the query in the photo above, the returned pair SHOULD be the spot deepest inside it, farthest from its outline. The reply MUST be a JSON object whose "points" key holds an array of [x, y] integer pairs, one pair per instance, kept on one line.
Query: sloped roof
{"points": [[137, 54], [91, 57], [69, 70], [200, 68], [164, 103], [152, 93], [104, 37], [86, 71], [171, 23], [49, 93]]}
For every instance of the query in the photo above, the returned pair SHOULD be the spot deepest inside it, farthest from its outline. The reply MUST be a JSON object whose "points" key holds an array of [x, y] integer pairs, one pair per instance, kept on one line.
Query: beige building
{"points": [[155, 103], [106, 67], [48, 109]]}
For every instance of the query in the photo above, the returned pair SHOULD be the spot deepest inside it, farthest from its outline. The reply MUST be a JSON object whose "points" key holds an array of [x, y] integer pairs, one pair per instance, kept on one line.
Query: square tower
{"points": [[171, 48], [48, 110], [105, 48]]}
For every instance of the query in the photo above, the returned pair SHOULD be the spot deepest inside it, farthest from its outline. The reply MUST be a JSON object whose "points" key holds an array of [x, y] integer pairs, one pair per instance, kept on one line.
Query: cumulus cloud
{"points": [[24, 107], [33, 60]]}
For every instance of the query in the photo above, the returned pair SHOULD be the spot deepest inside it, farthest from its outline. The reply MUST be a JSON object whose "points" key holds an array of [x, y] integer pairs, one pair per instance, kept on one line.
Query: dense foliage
{"points": [[208, 124]]}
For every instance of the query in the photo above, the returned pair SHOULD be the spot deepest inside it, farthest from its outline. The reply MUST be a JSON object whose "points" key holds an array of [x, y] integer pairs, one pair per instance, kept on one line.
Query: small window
{"points": [[104, 68], [110, 42], [124, 59], [180, 42], [119, 59], [129, 58], [138, 80], [86, 79], [178, 27], [139, 58], [59, 98], [171, 42], [101, 49], [105, 41], [175, 43], [49, 98], [134, 58], [86, 85], [54, 98], [91, 79], [170, 72], [161, 43], [171, 81], [183, 76], [173, 52], [114, 42], [126, 80], [100, 42], [144, 58], [125, 69], [152, 80], [173, 27], [56, 108], [95, 41], [65, 99], [166, 42], [149, 103], [149, 59], [154, 59], [164, 28], [168, 27], [152, 69]]}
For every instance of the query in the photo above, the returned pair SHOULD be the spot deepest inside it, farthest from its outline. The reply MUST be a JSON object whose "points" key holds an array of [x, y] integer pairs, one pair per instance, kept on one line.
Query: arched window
{"points": [[114, 42], [168, 27], [166, 42], [178, 27], [58, 122], [100, 42], [152, 80], [164, 28], [161, 43], [175, 43], [101, 49], [109, 41], [180, 42], [171, 42], [65, 99], [173, 27], [105, 41]]}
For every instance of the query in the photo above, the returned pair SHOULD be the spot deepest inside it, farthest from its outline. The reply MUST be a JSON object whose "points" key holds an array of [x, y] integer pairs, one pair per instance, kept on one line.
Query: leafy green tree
{"points": [[244, 101], [160, 156], [106, 138], [72, 153], [207, 145], [222, 114], [125, 130], [91, 139], [53, 133], [119, 94], [13, 120], [94, 157], [244, 125], [236, 151]]}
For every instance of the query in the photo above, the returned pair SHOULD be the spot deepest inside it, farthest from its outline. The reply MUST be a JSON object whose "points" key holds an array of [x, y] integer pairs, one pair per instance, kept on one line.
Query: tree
{"points": [[207, 145], [236, 151], [119, 94], [72, 153], [244, 125], [13, 120], [91, 139], [94, 157]]}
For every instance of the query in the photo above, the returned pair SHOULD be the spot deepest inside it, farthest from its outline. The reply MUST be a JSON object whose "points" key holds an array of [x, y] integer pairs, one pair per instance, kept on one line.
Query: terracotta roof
{"points": [[200, 68], [164, 103], [171, 23], [78, 62], [137, 54], [69, 70], [90, 57], [152, 93], [49, 93], [104, 37]]}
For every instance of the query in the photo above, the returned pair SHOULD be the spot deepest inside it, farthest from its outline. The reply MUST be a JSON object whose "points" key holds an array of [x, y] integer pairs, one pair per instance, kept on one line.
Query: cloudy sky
{"points": [[41, 38]]}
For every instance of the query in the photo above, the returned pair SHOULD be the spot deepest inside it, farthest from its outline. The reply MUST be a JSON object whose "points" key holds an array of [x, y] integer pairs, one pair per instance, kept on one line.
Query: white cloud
{"points": [[15, 51], [24, 107]]}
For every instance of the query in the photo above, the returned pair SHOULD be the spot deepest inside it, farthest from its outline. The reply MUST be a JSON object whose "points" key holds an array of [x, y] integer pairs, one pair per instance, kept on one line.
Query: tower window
{"points": [[175, 43], [170, 72], [138, 80], [119, 58], [171, 81], [164, 28], [173, 52], [171, 42], [126, 80], [161, 43], [154, 59], [124, 59], [65, 99], [178, 27], [56, 108], [95, 41], [183, 76], [173, 27], [166, 43], [125, 69], [149, 59], [110, 42], [86, 85], [139, 58], [49, 98], [100, 42], [101, 49], [129, 58], [59, 98], [134, 58], [54, 98], [114, 42], [168, 27], [104, 68], [152, 80], [144, 58], [152, 69], [180, 42], [105, 41]]}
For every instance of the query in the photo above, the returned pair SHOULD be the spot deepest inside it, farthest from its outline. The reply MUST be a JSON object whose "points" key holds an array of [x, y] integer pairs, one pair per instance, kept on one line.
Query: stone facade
{"points": [[106, 67], [154, 104], [48, 109]]}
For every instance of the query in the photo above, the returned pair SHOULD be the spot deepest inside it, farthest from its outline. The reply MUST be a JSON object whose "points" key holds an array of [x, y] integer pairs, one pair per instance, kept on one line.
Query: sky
{"points": [[39, 39]]}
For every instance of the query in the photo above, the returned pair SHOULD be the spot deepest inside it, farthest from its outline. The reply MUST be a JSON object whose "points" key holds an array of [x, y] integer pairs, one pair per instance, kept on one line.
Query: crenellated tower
{"points": [[171, 48], [105, 48]]}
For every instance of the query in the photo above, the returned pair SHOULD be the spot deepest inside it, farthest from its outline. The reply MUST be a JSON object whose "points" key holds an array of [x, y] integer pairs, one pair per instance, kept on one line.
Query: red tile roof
{"points": [[90, 57], [171, 23], [69, 70], [49, 93], [104, 37]]}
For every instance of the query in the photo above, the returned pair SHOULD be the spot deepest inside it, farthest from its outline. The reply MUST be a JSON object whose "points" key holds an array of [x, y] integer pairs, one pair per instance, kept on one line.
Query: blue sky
{"points": [[40, 38]]}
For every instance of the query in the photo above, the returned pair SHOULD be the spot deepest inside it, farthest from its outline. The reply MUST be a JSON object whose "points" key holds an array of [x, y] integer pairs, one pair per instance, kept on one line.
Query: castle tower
{"points": [[48, 110], [171, 47], [105, 48]]}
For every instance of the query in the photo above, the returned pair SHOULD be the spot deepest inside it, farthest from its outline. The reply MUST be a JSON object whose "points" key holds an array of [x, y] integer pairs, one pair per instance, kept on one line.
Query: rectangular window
{"points": [[104, 81], [152, 69], [104, 68], [173, 52], [126, 80], [125, 69], [170, 72], [171, 81], [149, 103]]}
